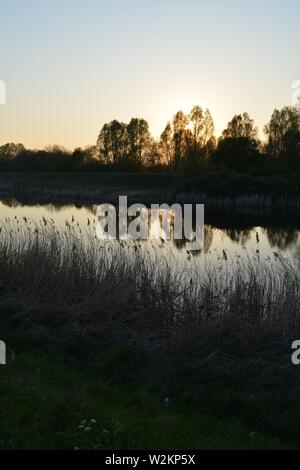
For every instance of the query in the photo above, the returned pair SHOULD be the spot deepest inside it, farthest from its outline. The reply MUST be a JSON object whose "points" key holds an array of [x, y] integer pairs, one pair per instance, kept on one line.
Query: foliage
{"points": [[186, 146], [125, 356], [283, 132]]}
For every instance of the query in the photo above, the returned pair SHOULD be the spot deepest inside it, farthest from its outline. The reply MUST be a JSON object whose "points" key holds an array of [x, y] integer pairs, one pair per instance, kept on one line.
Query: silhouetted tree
{"points": [[118, 141], [241, 125], [291, 145], [10, 150], [189, 140], [78, 155], [201, 126], [186, 145], [167, 144], [200, 135], [238, 146], [91, 152], [237, 153], [283, 132], [152, 155], [138, 136], [180, 122], [112, 142]]}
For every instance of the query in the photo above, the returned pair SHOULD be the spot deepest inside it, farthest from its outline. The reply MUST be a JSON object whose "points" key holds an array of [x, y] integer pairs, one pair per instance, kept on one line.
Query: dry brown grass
{"points": [[204, 322]]}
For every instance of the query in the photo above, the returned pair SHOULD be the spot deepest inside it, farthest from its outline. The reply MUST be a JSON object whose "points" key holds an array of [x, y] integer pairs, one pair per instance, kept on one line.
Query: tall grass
{"points": [[230, 318], [250, 203]]}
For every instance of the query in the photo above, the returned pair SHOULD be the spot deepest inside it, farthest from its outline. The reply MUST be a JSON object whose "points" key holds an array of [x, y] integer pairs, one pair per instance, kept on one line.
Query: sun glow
{"points": [[186, 106]]}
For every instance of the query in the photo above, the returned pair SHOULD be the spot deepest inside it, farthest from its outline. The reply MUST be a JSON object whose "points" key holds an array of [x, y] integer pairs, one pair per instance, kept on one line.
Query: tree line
{"points": [[187, 144]]}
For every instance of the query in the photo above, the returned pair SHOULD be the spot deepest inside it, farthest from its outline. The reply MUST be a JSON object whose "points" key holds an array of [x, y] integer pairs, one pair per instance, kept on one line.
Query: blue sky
{"points": [[71, 66]]}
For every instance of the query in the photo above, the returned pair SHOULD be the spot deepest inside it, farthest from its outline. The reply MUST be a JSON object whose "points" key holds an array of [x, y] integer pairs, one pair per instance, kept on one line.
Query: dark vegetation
{"points": [[188, 163], [157, 358], [112, 351], [186, 146]]}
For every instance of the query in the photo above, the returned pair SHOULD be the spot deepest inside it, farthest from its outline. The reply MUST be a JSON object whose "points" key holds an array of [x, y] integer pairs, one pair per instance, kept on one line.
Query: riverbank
{"points": [[219, 192], [88, 187], [110, 351]]}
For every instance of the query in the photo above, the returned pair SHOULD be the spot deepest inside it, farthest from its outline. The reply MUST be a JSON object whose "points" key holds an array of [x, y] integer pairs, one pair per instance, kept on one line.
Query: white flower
{"points": [[87, 429]]}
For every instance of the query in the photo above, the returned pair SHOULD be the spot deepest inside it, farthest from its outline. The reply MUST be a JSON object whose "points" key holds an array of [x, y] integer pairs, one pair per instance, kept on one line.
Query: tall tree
{"points": [[167, 144], [180, 122], [11, 150], [112, 141], [201, 127], [241, 125], [138, 138], [152, 155], [283, 132], [238, 147], [238, 153]]}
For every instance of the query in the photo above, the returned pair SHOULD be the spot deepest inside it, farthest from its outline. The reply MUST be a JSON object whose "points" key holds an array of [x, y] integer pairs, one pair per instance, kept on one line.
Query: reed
{"points": [[239, 316]]}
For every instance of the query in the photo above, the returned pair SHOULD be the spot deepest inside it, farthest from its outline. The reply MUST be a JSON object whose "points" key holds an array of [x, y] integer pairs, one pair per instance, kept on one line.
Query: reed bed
{"points": [[252, 203], [231, 318], [42, 191]]}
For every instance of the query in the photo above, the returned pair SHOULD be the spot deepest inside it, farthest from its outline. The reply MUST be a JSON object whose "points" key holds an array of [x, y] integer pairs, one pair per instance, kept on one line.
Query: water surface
{"points": [[227, 237]]}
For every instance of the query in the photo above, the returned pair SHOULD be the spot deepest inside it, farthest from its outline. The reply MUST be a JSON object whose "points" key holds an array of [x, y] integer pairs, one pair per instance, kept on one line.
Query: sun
{"points": [[186, 106]]}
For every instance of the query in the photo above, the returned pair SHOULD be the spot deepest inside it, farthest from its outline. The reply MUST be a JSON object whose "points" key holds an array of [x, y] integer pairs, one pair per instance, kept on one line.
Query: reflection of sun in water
{"points": [[161, 224]]}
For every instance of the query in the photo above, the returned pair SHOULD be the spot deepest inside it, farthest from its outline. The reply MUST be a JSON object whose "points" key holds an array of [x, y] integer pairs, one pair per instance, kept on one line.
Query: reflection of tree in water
{"points": [[179, 244], [238, 236], [52, 207], [10, 202], [296, 254], [208, 238], [281, 238], [56, 207]]}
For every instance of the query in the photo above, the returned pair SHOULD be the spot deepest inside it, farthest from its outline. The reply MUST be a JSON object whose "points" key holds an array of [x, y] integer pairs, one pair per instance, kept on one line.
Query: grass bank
{"points": [[225, 192], [109, 349], [90, 187]]}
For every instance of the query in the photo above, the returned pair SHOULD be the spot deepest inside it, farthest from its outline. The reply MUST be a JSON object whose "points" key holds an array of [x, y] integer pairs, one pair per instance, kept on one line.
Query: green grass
{"points": [[48, 390]]}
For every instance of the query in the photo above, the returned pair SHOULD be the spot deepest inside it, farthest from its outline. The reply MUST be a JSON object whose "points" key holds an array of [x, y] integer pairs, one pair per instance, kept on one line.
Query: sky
{"points": [[71, 65]]}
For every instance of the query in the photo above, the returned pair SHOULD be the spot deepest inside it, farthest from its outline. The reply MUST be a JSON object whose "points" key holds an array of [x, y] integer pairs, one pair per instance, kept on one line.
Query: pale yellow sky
{"points": [[69, 67]]}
